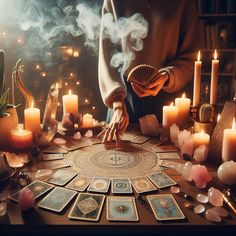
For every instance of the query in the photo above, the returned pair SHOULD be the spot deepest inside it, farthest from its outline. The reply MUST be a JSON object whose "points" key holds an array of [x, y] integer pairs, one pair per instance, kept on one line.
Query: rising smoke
{"points": [[47, 25]]}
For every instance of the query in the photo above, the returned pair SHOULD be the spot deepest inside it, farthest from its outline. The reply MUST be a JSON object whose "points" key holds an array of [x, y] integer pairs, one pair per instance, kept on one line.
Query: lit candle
{"points": [[21, 138], [170, 116], [87, 120], [214, 79], [229, 143], [32, 120], [183, 104], [201, 139], [70, 104], [197, 81]]}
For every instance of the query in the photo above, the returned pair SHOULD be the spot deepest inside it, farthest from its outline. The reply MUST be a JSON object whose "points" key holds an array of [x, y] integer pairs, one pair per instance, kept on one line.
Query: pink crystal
{"points": [[182, 137], [212, 216], [67, 121], [77, 136], [199, 209], [26, 199], [202, 198], [200, 154], [200, 175], [221, 211], [89, 134], [59, 141], [215, 197], [187, 147], [174, 189], [186, 171], [174, 132]]}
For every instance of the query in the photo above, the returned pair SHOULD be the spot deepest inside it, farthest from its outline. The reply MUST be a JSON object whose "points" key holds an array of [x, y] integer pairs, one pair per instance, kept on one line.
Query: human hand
{"points": [[153, 88], [118, 123]]}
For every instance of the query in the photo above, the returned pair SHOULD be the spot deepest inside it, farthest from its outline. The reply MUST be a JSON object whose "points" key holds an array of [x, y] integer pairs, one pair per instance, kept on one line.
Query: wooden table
{"points": [[39, 220]]}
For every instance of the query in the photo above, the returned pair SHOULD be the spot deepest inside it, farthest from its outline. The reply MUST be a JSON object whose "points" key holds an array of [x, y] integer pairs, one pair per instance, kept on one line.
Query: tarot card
{"points": [[93, 140], [140, 139], [161, 180], [165, 207], [57, 199], [52, 156], [69, 146], [121, 209], [100, 185], [80, 183], [55, 149], [169, 156], [142, 184], [121, 186], [153, 142], [37, 187], [87, 207], [169, 164], [165, 148], [53, 164], [127, 136], [84, 142], [61, 177]]}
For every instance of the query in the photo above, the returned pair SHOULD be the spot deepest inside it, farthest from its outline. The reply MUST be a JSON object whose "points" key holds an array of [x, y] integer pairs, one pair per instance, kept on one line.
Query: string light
{"points": [[43, 74], [86, 100], [93, 107], [66, 83], [4, 33], [37, 67], [78, 83]]}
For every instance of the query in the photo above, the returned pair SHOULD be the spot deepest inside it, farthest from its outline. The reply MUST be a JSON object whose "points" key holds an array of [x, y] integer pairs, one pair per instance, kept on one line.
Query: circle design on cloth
{"points": [[126, 161]]}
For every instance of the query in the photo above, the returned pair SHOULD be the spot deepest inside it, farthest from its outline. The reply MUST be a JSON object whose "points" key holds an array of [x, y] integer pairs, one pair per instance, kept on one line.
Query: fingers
{"points": [[117, 137], [137, 90], [111, 132], [156, 82]]}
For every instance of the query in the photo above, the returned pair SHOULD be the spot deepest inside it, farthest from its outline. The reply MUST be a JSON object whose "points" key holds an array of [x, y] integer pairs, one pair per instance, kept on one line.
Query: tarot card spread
{"points": [[121, 186], [37, 187], [87, 207], [80, 183], [57, 164], [165, 207], [61, 177], [57, 199], [121, 209], [142, 184], [161, 180]]}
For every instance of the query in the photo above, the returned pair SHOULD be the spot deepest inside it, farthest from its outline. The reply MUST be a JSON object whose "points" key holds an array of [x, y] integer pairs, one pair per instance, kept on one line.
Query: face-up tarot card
{"points": [[169, 156], [61, 177], [87, 207], [100, 185], [57, 199], [52, 156], [80, 183], [127, 136], [165, 148], [53, 164], [37, 187], [161, 180], [165, 207], [55, 149], [142, 184], [121, 186], [140, 139], [121, 209]]}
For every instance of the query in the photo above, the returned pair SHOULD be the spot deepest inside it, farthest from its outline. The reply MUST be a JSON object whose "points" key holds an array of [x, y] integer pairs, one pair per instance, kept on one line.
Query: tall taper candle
{"points": [[197, 81], [214, 79]]}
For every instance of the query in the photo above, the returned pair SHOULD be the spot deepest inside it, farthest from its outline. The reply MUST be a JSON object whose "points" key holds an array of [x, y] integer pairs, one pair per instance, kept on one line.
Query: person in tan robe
{"points": [[170, 46]]}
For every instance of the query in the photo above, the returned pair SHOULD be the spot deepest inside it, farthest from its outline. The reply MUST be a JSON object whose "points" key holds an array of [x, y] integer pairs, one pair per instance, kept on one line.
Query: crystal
{"points": [[95, 122], [215, 197], [174, 189], [174, 132], [188, 205], [35, 151], [68, 121], [182, 137], [59, 141], [26, 199], [14, 160], [89, 134], [202, 198], [199, 209], [48, 134], [149, 125], [227, 172], [186, 171], [77, 136], [200, 154], [187, 147], [3, 208], [212, 216], [4, 195], [23, 179], [43, 174], [200, 175], [187, 197], [221, 211]]}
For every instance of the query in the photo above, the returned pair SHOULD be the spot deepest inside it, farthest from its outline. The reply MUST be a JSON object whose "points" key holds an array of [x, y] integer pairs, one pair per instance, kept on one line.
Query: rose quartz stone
{"points": [[215, 197], [174, 132], [26, 199], [199, 209], [221, 211], [200, 175], [89, 134], [77, 136], [187, 147], [200, 154], [202, 198], [186, 171], [59, 141], [182, 136], [212, 216]]}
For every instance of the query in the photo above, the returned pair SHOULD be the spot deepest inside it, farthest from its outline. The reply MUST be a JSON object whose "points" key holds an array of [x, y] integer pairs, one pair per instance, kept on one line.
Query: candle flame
{"points": [[69, 92], [32, 104], [57, 85], [233, 125], [198, 56], [218, 117], [215, 55], [184, 95]]}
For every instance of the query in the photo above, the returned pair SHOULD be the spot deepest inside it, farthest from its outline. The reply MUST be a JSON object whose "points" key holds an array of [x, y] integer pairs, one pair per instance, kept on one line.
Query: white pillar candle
{"points": [[183, 104], [214, 79], [32, 120], [201, 139], [169, 117], [87, 120], [229, 143], [197, 81], [70, 104]]}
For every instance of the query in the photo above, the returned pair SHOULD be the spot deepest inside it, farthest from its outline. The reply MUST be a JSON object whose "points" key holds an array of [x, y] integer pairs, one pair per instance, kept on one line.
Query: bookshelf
{"points": [[216, 18]]}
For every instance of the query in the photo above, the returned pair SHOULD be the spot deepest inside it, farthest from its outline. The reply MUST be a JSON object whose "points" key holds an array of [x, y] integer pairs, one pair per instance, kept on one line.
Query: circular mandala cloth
{"points": [[125, 161]]}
